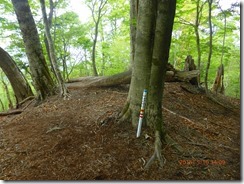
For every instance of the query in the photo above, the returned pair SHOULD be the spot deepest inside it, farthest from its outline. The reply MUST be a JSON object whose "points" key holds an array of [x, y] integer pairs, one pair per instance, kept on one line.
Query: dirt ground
{"points": [[80, 139]]}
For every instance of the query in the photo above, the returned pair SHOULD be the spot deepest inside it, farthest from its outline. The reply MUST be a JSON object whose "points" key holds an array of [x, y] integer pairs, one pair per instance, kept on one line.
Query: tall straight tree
{"points": [[63, 89], [96, 7], [43, 83], [20, 86], [199, 9], [210, 43], [154, 24]]}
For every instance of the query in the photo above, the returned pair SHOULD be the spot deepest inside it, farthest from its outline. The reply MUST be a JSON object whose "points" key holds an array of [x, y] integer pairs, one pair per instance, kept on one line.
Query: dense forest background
{"points": [[105, 26]]}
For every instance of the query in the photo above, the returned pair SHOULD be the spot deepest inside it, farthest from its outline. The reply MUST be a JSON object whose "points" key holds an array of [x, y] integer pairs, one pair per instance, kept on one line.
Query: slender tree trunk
{"points": [[63, 89], [223, 45], [42, 80], [50, 18], [96, 20], [210, 44], [2, 105], [10, 103], [94, 67], [20, 86], [196, 28]]}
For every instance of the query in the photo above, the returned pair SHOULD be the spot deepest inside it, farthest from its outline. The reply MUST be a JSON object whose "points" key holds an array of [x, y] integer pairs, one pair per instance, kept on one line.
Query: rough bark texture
{"points": [[17, 80], [42, 80]]}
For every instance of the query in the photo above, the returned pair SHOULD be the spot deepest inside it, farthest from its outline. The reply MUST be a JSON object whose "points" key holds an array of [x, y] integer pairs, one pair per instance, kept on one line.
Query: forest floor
{"points": [[70, 139]]}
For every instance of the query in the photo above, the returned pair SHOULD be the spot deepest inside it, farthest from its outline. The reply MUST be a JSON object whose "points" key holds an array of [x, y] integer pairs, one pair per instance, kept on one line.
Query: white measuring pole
{"points": [[141, 113]]}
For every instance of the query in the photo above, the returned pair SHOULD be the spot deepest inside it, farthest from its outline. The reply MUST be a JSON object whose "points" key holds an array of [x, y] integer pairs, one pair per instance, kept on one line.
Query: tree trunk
{"points": [[210, 43], [199, 9], [63, 89], [2, 106], [50, 18], [153, 36], [143, 56], [17, 80], [41, 77], [96, 21], [10, 103]]}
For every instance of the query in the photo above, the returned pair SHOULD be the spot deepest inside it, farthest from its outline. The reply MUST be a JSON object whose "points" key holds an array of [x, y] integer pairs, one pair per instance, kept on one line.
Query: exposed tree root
{"points": [[157, 152], [23, 101], [217, 99], [125, 114]]}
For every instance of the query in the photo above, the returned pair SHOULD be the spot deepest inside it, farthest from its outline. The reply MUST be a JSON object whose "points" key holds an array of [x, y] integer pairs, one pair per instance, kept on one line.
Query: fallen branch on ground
{"points": [[125, 78]]}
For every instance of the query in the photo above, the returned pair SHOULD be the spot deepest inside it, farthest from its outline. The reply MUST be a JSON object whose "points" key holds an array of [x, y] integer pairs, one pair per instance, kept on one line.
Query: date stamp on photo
{"points": [[198, 162]]}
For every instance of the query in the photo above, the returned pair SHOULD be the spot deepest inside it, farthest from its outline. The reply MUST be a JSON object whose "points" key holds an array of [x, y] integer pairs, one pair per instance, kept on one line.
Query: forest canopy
{"points": [[100, 34]]}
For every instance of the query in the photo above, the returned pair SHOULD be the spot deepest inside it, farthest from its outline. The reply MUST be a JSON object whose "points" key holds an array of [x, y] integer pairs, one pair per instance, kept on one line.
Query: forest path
{"points": [[69, 139]]}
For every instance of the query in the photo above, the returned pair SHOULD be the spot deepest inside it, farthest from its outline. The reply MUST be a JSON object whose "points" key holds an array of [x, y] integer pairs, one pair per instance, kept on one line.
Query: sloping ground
{"points": [[70, 139]]}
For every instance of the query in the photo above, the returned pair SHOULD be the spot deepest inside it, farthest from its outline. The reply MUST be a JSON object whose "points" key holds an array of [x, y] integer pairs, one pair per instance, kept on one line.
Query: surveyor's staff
{"points": [[142, 111]]}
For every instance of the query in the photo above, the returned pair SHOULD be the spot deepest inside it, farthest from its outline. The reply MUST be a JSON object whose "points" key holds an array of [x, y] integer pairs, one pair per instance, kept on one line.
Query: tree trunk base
{"points": [[157, 152]]}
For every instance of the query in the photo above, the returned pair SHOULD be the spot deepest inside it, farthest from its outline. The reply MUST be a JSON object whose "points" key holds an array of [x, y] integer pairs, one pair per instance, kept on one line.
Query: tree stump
{"points": [[218, 86], [189, 66]]}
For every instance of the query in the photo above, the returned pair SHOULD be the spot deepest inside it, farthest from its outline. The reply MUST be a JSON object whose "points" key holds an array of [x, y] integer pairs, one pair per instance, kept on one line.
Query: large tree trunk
{"points": [[17, 80], [63, 89], [152, 43], [42, 80], [143, 56]]}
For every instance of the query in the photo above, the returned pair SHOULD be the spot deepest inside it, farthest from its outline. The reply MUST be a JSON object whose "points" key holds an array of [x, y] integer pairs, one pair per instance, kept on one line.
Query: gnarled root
{"points": [[125, 114], [157, 152]]}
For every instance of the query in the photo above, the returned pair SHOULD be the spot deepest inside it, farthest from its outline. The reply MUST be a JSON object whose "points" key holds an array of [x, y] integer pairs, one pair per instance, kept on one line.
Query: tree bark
{"points": [[17, 80], [153, 37], [63, 89], [41, 77], [210, 43]]}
